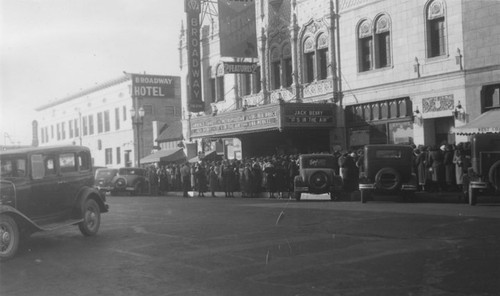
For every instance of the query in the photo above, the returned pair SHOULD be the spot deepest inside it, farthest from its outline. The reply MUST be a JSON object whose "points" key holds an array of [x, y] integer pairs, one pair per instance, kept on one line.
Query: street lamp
{"points": [[137, 121]]}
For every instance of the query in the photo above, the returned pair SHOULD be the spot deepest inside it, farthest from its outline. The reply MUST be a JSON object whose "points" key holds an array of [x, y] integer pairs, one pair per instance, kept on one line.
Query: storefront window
{"points": [[401, 132]]}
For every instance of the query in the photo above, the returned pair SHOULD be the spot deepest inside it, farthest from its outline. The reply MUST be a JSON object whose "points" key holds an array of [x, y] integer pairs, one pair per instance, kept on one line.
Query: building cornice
{"points": [[82, 93]]}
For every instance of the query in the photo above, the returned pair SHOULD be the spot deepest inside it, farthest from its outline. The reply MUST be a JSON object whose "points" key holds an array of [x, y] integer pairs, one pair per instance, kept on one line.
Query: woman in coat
{"points": [[458, 160], [201, 179], [213, 180], [421, 164], [449, 167], [435, 164]]}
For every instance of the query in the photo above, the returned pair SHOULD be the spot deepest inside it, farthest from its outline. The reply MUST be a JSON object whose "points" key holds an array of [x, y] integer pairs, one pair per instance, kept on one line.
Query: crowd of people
{"points": [[437, 169]]}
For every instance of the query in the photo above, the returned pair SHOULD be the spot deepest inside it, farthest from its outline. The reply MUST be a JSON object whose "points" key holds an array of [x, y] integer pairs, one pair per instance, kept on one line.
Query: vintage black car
{"points": [[132, 180], [105, 179], [387, 168], [317, 176], [46, 188], [483, 177]]}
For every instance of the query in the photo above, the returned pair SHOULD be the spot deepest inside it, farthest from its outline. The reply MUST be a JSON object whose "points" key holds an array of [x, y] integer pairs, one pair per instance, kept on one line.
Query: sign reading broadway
{"points": [[262, 118], [153, 86], [193, 9]]}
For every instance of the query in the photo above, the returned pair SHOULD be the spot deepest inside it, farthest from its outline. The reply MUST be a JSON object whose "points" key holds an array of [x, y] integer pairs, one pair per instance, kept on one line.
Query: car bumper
{"points": [[404, 187], [305, 189]]}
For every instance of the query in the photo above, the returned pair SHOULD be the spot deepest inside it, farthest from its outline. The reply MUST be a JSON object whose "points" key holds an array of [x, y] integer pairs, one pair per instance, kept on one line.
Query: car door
{"points": [[44, 187]]}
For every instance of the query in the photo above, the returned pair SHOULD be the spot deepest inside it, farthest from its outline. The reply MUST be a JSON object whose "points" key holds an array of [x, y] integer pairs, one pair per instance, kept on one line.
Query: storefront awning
{"points": [[264, 118], [488, 122], [171, 155]]}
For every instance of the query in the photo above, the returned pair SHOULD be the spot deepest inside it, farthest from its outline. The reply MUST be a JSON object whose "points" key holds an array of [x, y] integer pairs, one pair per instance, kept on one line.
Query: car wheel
{"points": [[365, 195], [494, 175], [472, 196], [318, 180], [9, 237], [91, 218], [296, 195]]}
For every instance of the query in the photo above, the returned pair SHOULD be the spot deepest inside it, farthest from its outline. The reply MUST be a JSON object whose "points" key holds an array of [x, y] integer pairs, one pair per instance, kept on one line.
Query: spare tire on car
{"points": [[121, 183], [388, 179], [318, 180]]}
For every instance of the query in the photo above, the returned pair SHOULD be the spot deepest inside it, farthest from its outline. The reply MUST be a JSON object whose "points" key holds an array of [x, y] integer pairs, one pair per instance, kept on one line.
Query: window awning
{"points": [[488, 122], [171, 155]]}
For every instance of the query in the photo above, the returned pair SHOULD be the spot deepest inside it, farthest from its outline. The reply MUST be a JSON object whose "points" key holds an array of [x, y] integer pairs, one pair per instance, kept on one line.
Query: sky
{"points": [[50, 49]]}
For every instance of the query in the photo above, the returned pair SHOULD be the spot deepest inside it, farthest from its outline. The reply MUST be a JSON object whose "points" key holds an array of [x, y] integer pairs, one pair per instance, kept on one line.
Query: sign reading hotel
{"points": [[239, 68], [193, 9], [153, 86], [237, 30]]}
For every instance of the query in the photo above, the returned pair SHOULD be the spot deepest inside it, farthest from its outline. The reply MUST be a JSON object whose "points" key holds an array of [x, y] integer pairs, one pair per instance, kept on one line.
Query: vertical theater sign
{"points": [[193, 9]]}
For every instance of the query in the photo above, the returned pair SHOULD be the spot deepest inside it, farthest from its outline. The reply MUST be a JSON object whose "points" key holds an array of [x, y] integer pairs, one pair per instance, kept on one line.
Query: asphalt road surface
{"points": [[218, 246]]}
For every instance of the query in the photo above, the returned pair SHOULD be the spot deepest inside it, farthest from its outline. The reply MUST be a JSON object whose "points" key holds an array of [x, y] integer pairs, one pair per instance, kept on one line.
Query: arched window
{"points": [[436, 29], [365, 45], [322, 52], [309, 59], [382, 42]]}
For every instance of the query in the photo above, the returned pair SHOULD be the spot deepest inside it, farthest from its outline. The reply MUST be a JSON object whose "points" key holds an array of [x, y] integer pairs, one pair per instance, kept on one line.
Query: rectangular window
{"points": [[91, 124], [107, 124], [124, 113], [100, 123], [85, 126], [43, 134], [213, 93], [84, 161], [256, 80], [63, 130], [52, 131], [108, 156], [220, 89], [365, 54], [275, 68], [288, 72], [117, 118], [323, 63], [77, 128], [70, 124], [118, 155], [247, 84], [58, 131], [490, 97], [437, 38], [309, 63]]}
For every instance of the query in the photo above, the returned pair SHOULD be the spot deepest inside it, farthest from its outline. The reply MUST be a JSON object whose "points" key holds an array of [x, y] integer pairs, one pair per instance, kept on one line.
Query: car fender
{"points": [[86, 193], [22, 220]]}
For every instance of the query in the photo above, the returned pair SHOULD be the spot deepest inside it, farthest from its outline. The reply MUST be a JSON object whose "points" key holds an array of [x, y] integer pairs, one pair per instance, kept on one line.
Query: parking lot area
{"points": [[171, 245]]}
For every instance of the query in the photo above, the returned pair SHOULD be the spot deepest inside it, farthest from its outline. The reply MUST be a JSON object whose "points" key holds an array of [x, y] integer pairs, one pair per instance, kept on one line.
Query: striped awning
{"points": [[488, 122]]}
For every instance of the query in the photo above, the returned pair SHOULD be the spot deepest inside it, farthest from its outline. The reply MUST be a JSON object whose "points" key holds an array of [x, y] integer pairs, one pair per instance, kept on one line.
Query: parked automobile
{"points": [[132, 180], [317, 176], [483, 177], [105, 179], [387, 168], [46, 188]]}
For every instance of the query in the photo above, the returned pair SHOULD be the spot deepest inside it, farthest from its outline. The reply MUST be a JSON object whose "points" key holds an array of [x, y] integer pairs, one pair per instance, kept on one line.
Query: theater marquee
{"points": [[264, 118]]}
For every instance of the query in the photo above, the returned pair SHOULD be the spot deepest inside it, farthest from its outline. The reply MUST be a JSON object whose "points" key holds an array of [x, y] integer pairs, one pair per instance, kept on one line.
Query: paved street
{"points": [[218, 246]]}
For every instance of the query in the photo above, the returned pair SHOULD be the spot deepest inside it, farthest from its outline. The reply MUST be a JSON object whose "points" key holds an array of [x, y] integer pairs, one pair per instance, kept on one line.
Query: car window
{"points": [[388, 154], [37, 166], [105, 173], [67, 162], [7, 168], [50, 165], [84, 161], [131, 172], [317, 162]]}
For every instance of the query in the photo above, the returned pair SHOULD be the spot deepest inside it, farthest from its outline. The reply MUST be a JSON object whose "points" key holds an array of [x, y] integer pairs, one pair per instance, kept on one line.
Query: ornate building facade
{"points": [[333, 73]]}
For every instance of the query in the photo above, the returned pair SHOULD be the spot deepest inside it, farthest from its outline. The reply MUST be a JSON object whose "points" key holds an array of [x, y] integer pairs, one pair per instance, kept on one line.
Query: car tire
{"points": [[365, 195], [296, 195], [9, 237], [91, 218], [472, 196], [318, 180], [494, 175], [381, 180]]}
